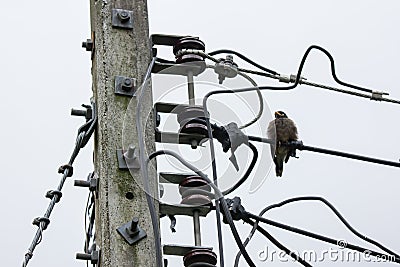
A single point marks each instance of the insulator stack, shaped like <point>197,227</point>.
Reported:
<point>195,191</point>
<point>188,43</point>
<point>199,255</point>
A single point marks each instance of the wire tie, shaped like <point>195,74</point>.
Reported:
<point>37,221</point>
<point>50,194</point>
<point>66,167</point>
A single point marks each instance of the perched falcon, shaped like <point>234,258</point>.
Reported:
<point>281,130</point>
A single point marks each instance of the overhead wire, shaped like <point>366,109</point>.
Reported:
<point>260,101</point>
<point>296,82</point>
<point>275,242</point>
<point>320,237</point>
<point>243,57</point>
<point>331,207</point>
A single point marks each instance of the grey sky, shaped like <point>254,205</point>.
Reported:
<point>45,72</point>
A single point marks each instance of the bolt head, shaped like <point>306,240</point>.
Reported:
<point>124,16</point>
<point>127,84</point>
<point>88,45</point>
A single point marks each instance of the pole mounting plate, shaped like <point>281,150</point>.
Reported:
<point>125,86</point>
<point>122,18</point>
<point>131,239</point>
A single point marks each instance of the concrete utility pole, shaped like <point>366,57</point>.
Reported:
<point>121,48</point>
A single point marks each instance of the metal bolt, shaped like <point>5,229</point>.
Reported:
<point>134,224</point>
<point>88,45</point>
<point>127,85</point>
<point>78,112</point>
<point>133,230</point>
<point>130,153</point>
<point>83,256</point>
<point>124,16</point>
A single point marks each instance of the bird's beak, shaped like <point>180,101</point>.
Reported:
<point>277,113</point>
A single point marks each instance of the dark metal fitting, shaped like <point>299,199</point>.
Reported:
<point>50,194</point>
<point>236,209</point>
<point>39,220</point>
<point>91,182</point>
<point>133,229</point>
<point>127,84</point>
<point>65,167</point>
<point>93,257</point>
<point>378,96</point>
<point>226,68</point>
<point>88,45</point>
<point>87,112</point>
<point>123,16</point>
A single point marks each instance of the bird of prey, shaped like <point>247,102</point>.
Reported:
<point>281,130</point>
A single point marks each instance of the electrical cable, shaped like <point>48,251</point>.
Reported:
<point>249,169</point>
<point>247,173</point>
<point>260,98</point>
<point>320,237</point>
<point>218,194</point>
<point>228,51</point>
<point>144,170</point>
<point>329,205</point>
<point>296,82</point>
<point>334,210</point>
<point>276,243</point>
<point>260,101</point>
<point>299,145</point>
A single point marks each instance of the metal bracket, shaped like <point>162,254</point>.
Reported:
<point>92,183</point>
<point>181,250</point>
<point>128,159</point>
<point>182,209</point>
<point>125,86</point>
<point>93,257</point>
<point>131,232</point>
<point>122,18</point>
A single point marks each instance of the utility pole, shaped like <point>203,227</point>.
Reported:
<point>121,47</point>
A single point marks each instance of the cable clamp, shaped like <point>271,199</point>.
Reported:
<point>66,167</point>
<point>37,221</point>
<point>378,95</point>
<point>290,78</point>
<point>236,138</point>
<point>236,209</point>
<point>51,193</point>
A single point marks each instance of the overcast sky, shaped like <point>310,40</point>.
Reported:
<point>45,73</point>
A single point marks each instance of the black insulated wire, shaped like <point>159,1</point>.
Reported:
<point>243,57</point>
<point>278,244</point>
<point>296,82</point>
<point>247,173</point>
<point>218,194</point>
<point>300,146</point>
<point>321,237</point>
<point>337,213</point>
